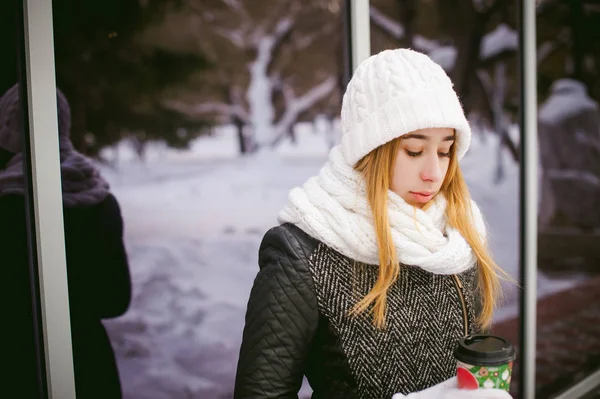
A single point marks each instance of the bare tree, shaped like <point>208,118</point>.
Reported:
<point>269,54</point>
<point>467,21</point>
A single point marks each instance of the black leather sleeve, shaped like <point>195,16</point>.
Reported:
<point>281,318</point>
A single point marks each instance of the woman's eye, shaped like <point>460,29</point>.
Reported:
<point>413,154</point>
<point>444,154</point>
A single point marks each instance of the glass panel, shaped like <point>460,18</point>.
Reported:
<point>568,332</point>
<point>189,123</point>
<point>476,44</point>
<point>23,351</point>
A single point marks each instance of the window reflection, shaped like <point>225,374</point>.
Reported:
<point>23,352</point>
<point>200,116</point>
<point>568,348</point>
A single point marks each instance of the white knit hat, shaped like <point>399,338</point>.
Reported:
<point>396,92</point>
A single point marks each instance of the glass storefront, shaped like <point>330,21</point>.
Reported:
<point>179,129</point>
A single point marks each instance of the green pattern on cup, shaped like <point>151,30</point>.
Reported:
<point>491,376</point>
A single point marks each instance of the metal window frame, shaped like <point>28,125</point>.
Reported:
<point>40,357</point>
<point>582,388</point>
<point>47,197</point>
<point>528,192</point>
<point>360,32</point>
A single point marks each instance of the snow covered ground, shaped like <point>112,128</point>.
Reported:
<point>194,220</point>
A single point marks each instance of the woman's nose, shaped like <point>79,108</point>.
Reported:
<point>432,170</point>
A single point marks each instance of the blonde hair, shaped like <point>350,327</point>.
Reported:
<point>377,170</point>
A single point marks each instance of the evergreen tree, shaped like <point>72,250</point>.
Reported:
<point>115,80</point>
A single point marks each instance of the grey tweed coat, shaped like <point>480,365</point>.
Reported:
<point>297,325</point>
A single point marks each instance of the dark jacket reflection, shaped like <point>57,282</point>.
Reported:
<point>97,266</point>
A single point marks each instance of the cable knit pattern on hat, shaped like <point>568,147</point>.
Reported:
<point>396,92</point>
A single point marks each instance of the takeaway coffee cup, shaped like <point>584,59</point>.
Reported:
<point>484,361</point>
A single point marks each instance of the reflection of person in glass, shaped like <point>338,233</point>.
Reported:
<point>97,267</point>
<point>379,265</point>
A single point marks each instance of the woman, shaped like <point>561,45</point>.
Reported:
<point>380,264</point>
<point>97,267</point>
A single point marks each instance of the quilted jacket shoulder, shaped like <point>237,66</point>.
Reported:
<point>273,356</point>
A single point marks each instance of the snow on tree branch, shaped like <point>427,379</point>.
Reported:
<point>396,30</point>
<point>236,5</point>
<point>547,48</point>
<point>283,27</point>
<point>258,35</point>
<point>502,38</point>
<point>260,89</point>
<point>486,82</point>
<point>208,108</point>
<point>392,27</point>
<point>236,37</point>
<point>296,105</point>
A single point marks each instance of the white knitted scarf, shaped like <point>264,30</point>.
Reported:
<point>333,208</point>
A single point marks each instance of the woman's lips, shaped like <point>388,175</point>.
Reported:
<point>421,196</point>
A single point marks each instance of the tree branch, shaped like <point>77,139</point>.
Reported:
<point>485,80</point>
<point>295,106</point>
<point>493,8</point>
<point>276,80</point>
<point>393,28</point>
<point>549,47</point>
<point>236,6</point>
<point>500,40</point>
<point>282,28</point>
<point>397,31</point>
<point>306,41</point>
<point>281,31</point>
<point>209,108</point>
<point>238,37</point>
